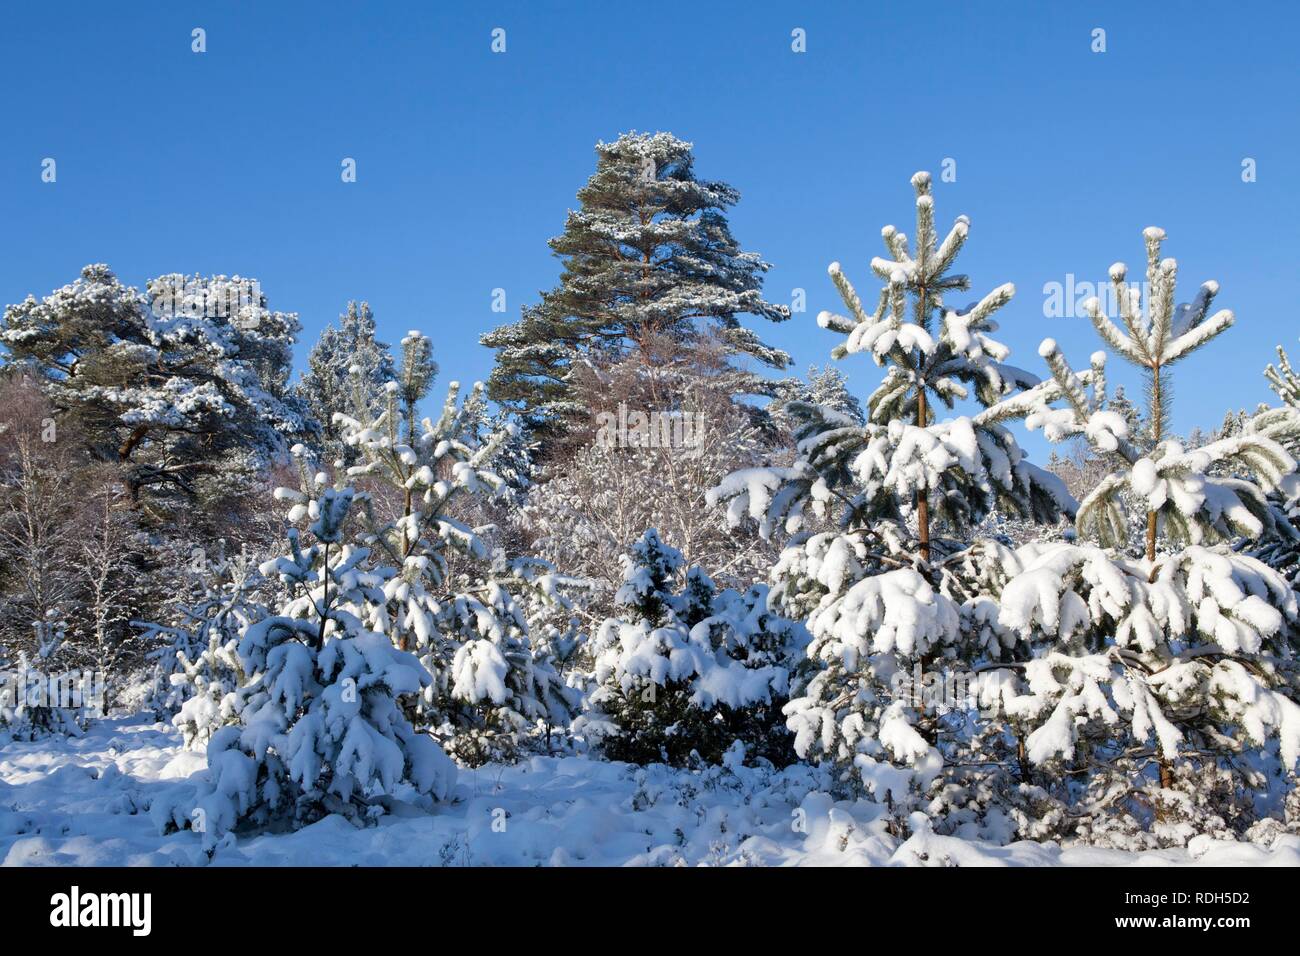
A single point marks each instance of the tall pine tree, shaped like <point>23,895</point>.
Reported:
<point>1159,685</point>
<point>452,598</point>
<point>347,366</point>
<point>316,727</point>
<point>1281,551</point>
<point>885,596</point>
<point>649,254</point>
<point>186,389</point>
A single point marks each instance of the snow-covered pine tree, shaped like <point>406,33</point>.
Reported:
<point>319,726</point>
<point>824,388</point>
<point>348,366</point>
<point>452,600</point>
<point>201,664</point>
<point>1084,468</point>
<point>501,691</point>
<point>1281,551</point>
<point>29,709</point>
<point>186,388</point>
<point>513,462</point>
<point>1283,380</point>
<point>686,670</point>
<point>883,595</point>
<point>649,253</point>
<point>1153,690</point>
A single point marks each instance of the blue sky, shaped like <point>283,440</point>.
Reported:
<point>229,161</point>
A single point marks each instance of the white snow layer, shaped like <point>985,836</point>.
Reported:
<point>84,801</point>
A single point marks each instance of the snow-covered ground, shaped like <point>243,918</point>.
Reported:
<point>85,801</point>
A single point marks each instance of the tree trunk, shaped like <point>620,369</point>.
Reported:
<point>325,600</point>
<point>922,501</point>
<point>128,446</point>
<point>1157,419</point>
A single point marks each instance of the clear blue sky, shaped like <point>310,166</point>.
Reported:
<point>229,161</point>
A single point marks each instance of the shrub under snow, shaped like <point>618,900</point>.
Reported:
<point>687,670</point>
<point>319,726</point>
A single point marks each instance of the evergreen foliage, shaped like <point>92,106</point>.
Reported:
<point>186,388</point>
<point>347,370</point>
<point>450,600</point>
<point>318,726</point>
<point>686,670</point>
<point>648,254</point>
